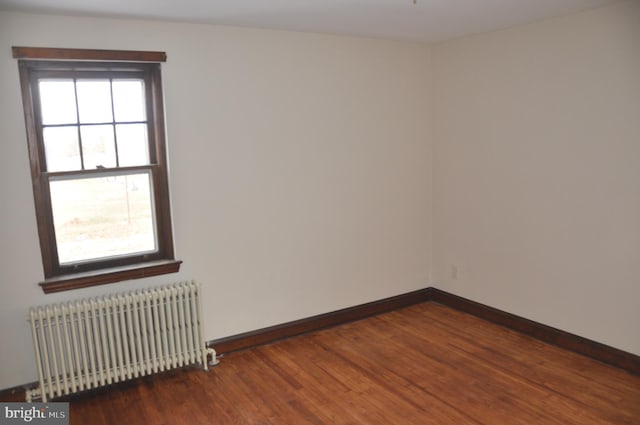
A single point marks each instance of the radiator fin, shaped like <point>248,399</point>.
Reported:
<point>86,344</point>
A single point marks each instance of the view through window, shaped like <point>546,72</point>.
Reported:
<point>97,124</point>
<point>96,142</point>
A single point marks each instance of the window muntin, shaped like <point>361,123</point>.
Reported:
<point>100,122</point>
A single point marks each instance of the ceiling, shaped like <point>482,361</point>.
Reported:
<point>427,21</point>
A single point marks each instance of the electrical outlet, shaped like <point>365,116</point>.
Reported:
<point>454,272</point>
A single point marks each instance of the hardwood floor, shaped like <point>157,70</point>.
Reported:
<point>426,364</point>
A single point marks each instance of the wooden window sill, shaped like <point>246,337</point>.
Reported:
<point>111,275</point>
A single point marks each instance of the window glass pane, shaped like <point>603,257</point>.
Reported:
<point>106,216</point>
<point>94,101</point>
<point>61,148</point>
<point>128,100</point>
<point>98,146</point>
<point>133,148</point>
<point>57,102</point>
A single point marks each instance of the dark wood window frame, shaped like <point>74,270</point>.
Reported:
<point>34,62</point>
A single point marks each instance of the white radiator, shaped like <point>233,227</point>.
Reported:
<point>91,343</point>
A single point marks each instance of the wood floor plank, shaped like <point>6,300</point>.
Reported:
<point>531,365</point>
<point>471,392</point>
<point>425,364</point>
<point>540,374</point>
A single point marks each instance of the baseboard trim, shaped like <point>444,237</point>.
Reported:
<point>16,394</point>
<point>321,321</point>
<point>568,341</point>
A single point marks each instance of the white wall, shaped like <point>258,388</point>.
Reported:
<point>299,171</point>
<point>537,171</point>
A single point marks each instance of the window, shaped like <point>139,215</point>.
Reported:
<point>95,131</point>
